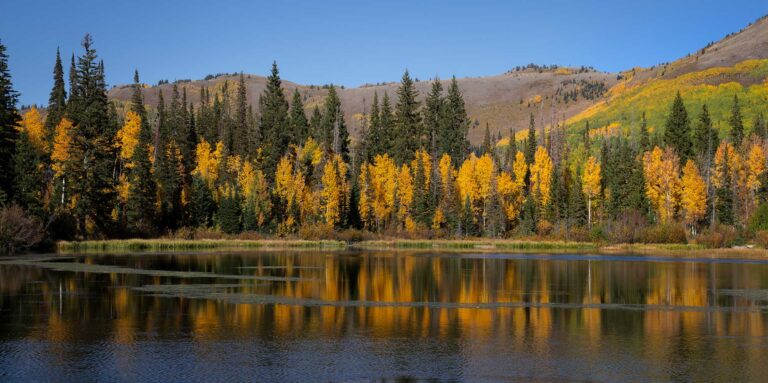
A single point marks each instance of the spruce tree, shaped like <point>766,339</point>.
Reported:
<point>374,134</point>
<point>315,123</point>
<point>645,140</point>
<point>408,125</point>
<point>228,214</point>
<point>433,120</point>
<point>530,149</point>
<point>201,204</point>
<point>240,124</point>
<point>29,176</point>
<point>577,205</point>
<point>9,120</point>
<point>92,152</point>
<point>705,138</point>
<point>677,132</point>
<point>487,143</point>
<point>586,138</point>
<point>274,125</point>
<point>736,122</point>
<point>335,134</point>
<point>453,138</point>
<point>57,102</point>
<point>724,196</point>
<point>759,127</point>
<point>141,196</point>
<point>299,123</point>
<point>387,121</point>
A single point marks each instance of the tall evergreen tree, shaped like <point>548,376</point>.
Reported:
<point>759,126</point>
<point>487,144</point>
<point>315,123</point>
<point>57,102</point>
<point>374,134</point>
<point>453,137</point>
<point>92,151</point>
<point>9,119</point>
<point>141,196</point>
<point>240,126</point>
<point>530,150</point>
<point>408,127</point>
<point>387,128</point>
<point>736,122</point>
<point>677,132</point>
<point>724,195</point>
<point>645,139</point>
<point>705,138</point>
<point>299,123</point>
<point>274,125</point>
<point>586,138</point>
<point>335,135</point>
<point>433,119</point>
<point>29,177</point>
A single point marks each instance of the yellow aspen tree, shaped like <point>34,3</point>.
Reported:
<point>128,137</point>
<point>335,189</point>
<point>541,176</point>
<point>404,195</point>
<point>208,162</point>
<point>254,190</point>
<point>662,181</point>
<point>364,203</point>
<point>511,193</point>
<point>62,142</point>
<point>32,123</point>
<point>590,184</point>
<point>383,176</point>
<point>693,196</point>
<point>519,168</point>
<point>423,159</point>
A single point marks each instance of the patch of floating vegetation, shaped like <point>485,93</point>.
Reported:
<point>108,269</point>
<point>202,292</point>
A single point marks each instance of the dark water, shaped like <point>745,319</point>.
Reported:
<point>309,316</point>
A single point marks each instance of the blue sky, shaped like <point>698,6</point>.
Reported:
<point>354,42</point>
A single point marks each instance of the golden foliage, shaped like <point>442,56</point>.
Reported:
<point>662,182</point>
<point>404,193</point>
<point>475,177</point>
<point>590,178</point>
<point>755,166</point>
<point>128,136</point>
<point>61,146</point>
<point>726,158</point>
<point>207,162</point>
<point>32,123</point>
<point>693,196</point>
<point>335,189</point>
<point>511,193</point>
<point>541,176</point>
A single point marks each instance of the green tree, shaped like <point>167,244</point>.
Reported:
<point>645,139</point>
<point>335,135</point>
<point>140,209</point>
<point>530,149</point>
<point>705,138</point>
<point>455,128</point>
<point>228,215</point>
<point>387,126</point>
<point>29,177</point>
<point>487,143</point>
<point>57,102</point>
<point>736,122</point>
<point>434,109</point>
<point>201,204</point>
<point>677,132</point>
<point>240,129</point>
<point>299,123</point>
<point>9,119</point>
<point>408,127</point>
<point>760,126</point>
<point>374,135</point>
<point>274,124</point>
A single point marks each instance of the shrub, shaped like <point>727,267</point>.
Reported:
<point>759,220</point>
<point>665,233</point>
<point>544,228</point>
<point>761,237</point>
<point>17,231</point>
<point>628,227</point>
<point>718,236</point>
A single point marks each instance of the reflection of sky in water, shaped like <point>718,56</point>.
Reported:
<point>360,316</point>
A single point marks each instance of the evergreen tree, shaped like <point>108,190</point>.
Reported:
<point>9,119</point>
<point>705,138</point>
<point>299,123</point>
<point>487,143</point>
<point>724,195</point>
<point>760,126</point>
<point>29,177</point>
<point>240,129</point>
<point>408,127</point>
<point>141,196</point>
<point>577,205</point>
<point>201,204</point>
<point>315,123</point>
<point>228,215</point>
<point>736,122</point>
<point>274,125</point>
<point>72,78</point>
<point>530,149</point>
<point>645,140</point>
<point>623,176</point>
<point>374,134</point>
<point>57,102</point>
<point>529,219</point>
<point>335,135</point>
<point>433,119</point>
<point>453,138</point>
<point>586,138</point>
<point>387,121</point>
<point>92,151</point>
<point>677,132</point>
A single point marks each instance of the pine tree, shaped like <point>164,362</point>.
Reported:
<point>141,197</point>
<point>736,122</point>
<point>201,204</point>
<point>645,140</point>
<point>335,135</point>
<point>29,177</point>
<point>315,123</point>
<point>453,138</point>
<point>9,119</point>
<point>724,195</point>
<point>677,134</point>
<point>487,144</point>
<point>57,102</point>
<point>299,123</point>
<point>387,121</point>
<point>374,134</point>
<point>274,125</point>
<point>93,151</point>
<point>228,214</point>
<point>408,135</point>
<point>530,149</point>
<point>240,129</point>
<point>577,204</point>
<point>586,138</point>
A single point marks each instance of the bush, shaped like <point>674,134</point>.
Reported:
<point>628,227</point>
<point>17,231</point>
<point>761,237</point>
<point>759,220</point>
<point>665,233</point>
<point>718,236</point>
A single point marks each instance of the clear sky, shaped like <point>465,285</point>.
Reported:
<point>354,42</point>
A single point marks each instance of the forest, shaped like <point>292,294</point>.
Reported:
<point>87,167</point>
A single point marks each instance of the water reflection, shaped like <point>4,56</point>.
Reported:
<point>390,314</point>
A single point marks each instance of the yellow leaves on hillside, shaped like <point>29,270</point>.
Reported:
<point>590,183</point>
<point>62,141</point>
<point>693,196</point>
<point>128,136</point>
<point>662,183</point>
<point>541,176</point>
<point>335,191</point>
<point>33,125</point>
<point>208,161</point>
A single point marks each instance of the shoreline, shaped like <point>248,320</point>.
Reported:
<point>457,246</point>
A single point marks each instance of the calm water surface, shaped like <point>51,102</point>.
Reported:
<point>318,316</point>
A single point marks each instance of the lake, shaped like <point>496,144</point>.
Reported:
<point>381,316</point>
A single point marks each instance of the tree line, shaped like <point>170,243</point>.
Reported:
<point>90,167</point>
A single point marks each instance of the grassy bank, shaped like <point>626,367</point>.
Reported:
<point>498,245</point>
<point>181,244</point>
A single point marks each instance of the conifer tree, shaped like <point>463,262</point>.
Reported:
<point>299,123</point>
<point>29,176</point>
<point>586,138</point>
<point>530,149</point>
<point>760,126</point>
<point>408,135</point>
<point>677,134</point>
<point>434,119</point>
<point>453,138</point>
<point>201,204</point>
<point>57,102</point>
<point>240,127</point>
<point>374,134</point>
<point>274,125</point>
<point>335,135</point>
<point>736,122</point>
<point>315,123</point>
<point>724,194</point>
<point>142,192</point>
<point>705,138</point>
<point>9,119</point>
<point>387,126</point>
<point>645,140</point>
<point>487,144</point>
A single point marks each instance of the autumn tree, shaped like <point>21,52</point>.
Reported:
<point>662,181</point>
<point>408,135</point>
<point>677,133</point>
<point>9,120</point>
<point>274,124</point>
<point>590,183</point>
<point>541,177</point>
<point>736,122</point>
<point>693,196</point>
<point>335,193</point>
<point>30,163</point>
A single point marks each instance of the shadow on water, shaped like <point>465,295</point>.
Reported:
<point>381,316</point>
